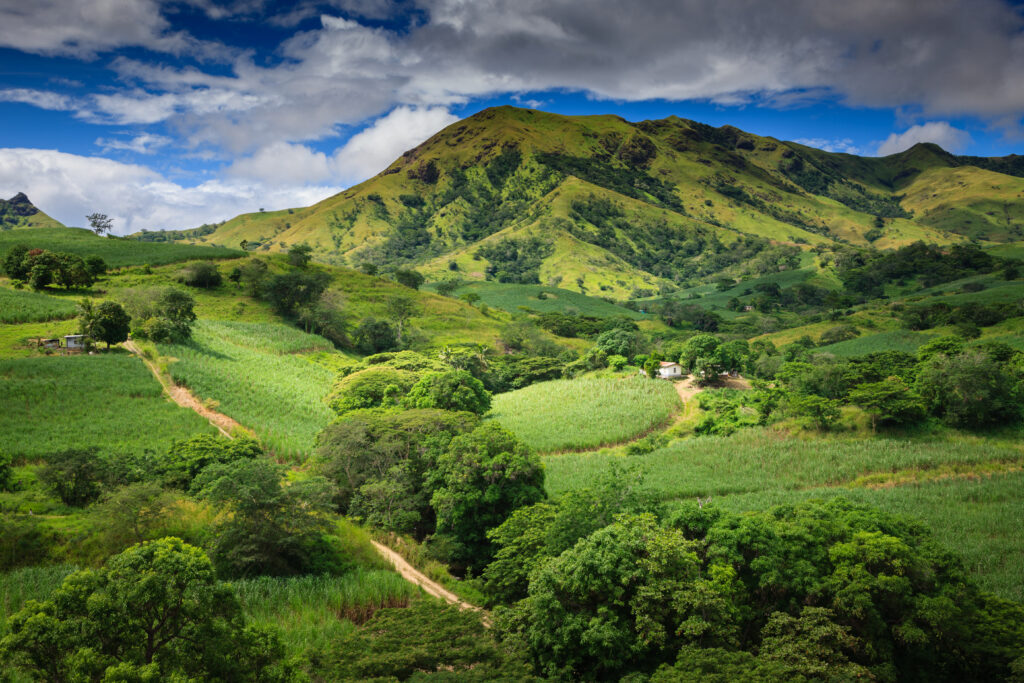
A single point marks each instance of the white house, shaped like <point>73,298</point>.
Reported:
<point>667,370</point>
<point>74,341</point>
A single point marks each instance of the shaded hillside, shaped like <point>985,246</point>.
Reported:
<point>600,205</point>
<point>20,212</point>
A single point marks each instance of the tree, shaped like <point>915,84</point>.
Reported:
<point>289,292</point>
<point>822,412</point>
<point>188,457</point>
<point>374,336</point>
<point>107,322</point>
<point>618,342</point>
<point>698,346</point>
<point>453,390</point>
<point>6,472</point>
<point>177,309</point>
<point>400,309</point>
<point>970,389</point>
<point>373,458</point>
<point>100,223</point>
<point>371,388</point>
<point>270,529</point>
<point>15,262</point>
<point>888,402</point>
<point>96,266</point>
<point>132,514</point>
<point>75,475</point>
<point>299,255</point>
<point>204,274</point>
<point>447,286</point>
<point>482,478</point>
<point>408,277</point>
<point>154,612</point>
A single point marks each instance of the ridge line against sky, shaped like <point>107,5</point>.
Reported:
<point>170,114</point>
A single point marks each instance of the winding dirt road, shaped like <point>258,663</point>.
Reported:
<point>227,426</point>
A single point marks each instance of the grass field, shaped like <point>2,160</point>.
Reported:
<point>31,583</point>
<point>756,460</point>
<point>19,306</point>
<point>116,252</point>
<point>511,297</point>
<point>893,340</point>
<point>313,611</point>
<point>585,413</point>
<point>110,400</point>
<point>249,370</point>
<point>978,518</point>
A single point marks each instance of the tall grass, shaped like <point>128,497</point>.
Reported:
<point>30,583</point>
<point>513,297</point>
<point>893,340</point>
<point>247,369</point>
<point>756,460</point>
<point>32,307</point>
<point>109,400</point>
<point>313,611</point>
<point>978,518</point>
<point>587,412</point>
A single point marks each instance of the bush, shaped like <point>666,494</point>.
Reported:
<point>6,472</point>
<point>371,388</point>
<point>455,390</point>
<point>201,274</point>
<point>187,458</point>
<point>75,475</point>
<point>617,362</point>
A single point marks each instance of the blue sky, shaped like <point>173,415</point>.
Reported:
<point>170,114</point>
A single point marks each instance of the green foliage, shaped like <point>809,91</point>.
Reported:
<point>631,182</point>
<point>374,336</point>
<point>378,462</point>
<point>426,641</point>
<point>478,482</point>
<point>44,268</point>
<point>814,589</point>
<point>187,458</point>
<point>971,389</point>
<point>272,529</point>
<point>889,402</point>
<point>407,277</point>
<point>26,307</point>
<point>619,341</point>
<point>107,322</point>
<point>154,611</point>
<point>6,472</point>
<point>821,412</point>
<point>617,362</point>
<point>163,315</point>
<point>204,274</point>
<point>299,255</point>
<point>585,412</point>
<point>288,292</point>
<point>75,475</point>
<point>132,514</point>
<point>455,390</point>
<point>376,386</point>
<point>515,260</point>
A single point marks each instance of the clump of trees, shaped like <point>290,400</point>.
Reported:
<point>161,314</point>
<point>42,268</point>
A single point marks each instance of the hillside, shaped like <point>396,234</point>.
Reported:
<point>20,212</point>
<point>599,205</point>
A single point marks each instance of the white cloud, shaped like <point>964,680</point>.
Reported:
<point>69,186</point>
<point>372,150</point>
<point>940,132</point>
<point>43,99</point>
<point>281,162</point>
<point>844,145</point>
<point>146,143</point>
<point>83,28</point>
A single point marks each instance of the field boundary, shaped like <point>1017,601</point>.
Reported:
<point>184,398</point>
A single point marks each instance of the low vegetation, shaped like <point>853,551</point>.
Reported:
<point>585,412</point>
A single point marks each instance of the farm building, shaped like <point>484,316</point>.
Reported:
<point>74,342</point>
<point>668,370</point>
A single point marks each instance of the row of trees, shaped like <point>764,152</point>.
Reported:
<point>42,268</point>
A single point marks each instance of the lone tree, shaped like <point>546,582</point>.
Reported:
<point>100,223</point>
<point>107,322</point>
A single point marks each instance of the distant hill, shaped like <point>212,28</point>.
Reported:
<point>20,212</point>
<point>599,205</point>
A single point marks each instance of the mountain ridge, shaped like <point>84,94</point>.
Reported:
<point>20,212</point>
<point>624,206</point>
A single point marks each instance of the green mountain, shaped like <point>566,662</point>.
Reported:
<point>600,205</point>
<point>19,212</point>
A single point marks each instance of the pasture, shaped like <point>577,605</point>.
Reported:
<point>110,401</point>
<point>116,251</point>
<point>513,297</point>
<point>20,306</point>
<point>587,412</point>
<point>256,376</point>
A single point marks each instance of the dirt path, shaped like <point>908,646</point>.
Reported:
<point>184,398</point>
<point>414,576</point>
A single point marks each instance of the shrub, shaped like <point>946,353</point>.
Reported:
<point>201,274</point>
<point>373,387</point>
<point>75,475</point>
<point>455,390</point>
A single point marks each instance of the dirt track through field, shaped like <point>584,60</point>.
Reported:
<point>227,426</point>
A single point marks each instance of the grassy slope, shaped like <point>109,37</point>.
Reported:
<point>111,401</point>
<point>513,298</point>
